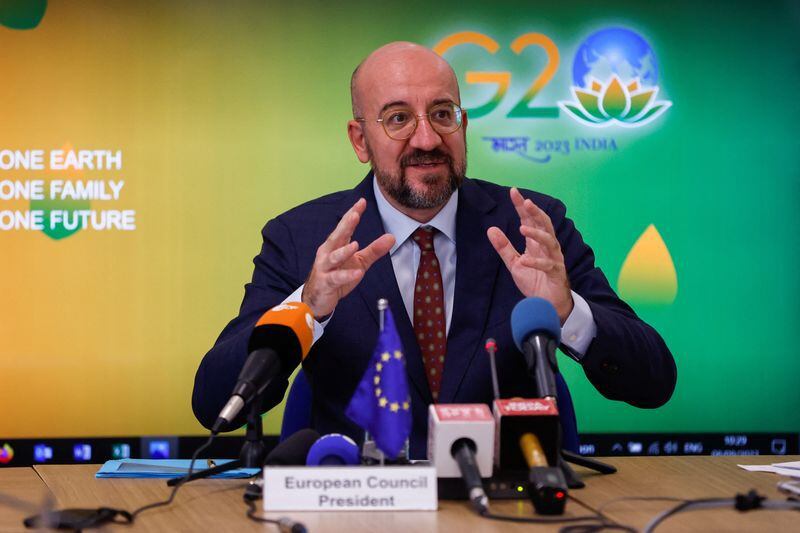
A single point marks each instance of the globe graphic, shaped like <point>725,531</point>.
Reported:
<point>612,51</point>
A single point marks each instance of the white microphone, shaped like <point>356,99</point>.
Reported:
<point>461,444</point>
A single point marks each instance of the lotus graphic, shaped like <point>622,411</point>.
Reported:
<point>615,103</point>
<point>615,76</point>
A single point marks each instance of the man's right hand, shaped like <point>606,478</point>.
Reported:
<point>339,265</point>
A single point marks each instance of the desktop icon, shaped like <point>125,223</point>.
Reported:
<point>6,454</point>
<point>82,452</point>
<point>42,453</point>
<point>158,449</point>
<point>693,448</point>
<point>120,450</point>
<point>587,449</point>
<point>634,447</point>
<point>778,446</point>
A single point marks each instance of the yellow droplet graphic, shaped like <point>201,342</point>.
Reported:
<point>648,273</point>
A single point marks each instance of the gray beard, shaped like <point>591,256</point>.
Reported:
<point>397,187</point>
<point>438,193</point>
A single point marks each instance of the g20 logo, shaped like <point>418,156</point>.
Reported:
<point>614,76</point>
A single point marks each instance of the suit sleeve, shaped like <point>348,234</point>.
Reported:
<point>627,360</point>
<point>274,277</point>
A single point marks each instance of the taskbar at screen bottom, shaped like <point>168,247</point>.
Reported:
<point>78,450</point>
<point>86,450</point>
<point>633,444</point>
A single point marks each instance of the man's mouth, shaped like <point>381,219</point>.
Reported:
<point>426,163</point>
<point>425,160</point>
<point>430,164</point>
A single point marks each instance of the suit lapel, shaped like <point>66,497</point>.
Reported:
<point>476,271</point>
<point>380,282</point>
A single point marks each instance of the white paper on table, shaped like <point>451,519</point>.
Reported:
<point>782,471</point>
<point>790,464</point>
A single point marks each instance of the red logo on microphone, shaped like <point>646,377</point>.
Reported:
<point>463,412</point>
<point>527,407</point>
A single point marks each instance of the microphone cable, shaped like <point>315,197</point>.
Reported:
<point>285,524</point>
<point>251,495</point>
<point>178,485</point>
<point>578,524</point>
<point>742,502</point>
<point>80,519</point>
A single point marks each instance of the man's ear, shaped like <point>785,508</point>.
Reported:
<point>355,131</point>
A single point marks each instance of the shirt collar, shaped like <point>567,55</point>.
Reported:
<point>402,226</point>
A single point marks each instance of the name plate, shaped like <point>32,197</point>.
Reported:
<point>350,488</point>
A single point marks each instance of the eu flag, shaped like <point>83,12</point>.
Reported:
<point>381,404</point>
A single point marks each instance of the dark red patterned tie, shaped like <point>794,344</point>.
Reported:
<point>429,317</point>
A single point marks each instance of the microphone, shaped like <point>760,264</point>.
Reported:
<point>461,444</point>
<point>463,451</point>
<point>491,349</point>
<point>532,450</point>
<point>280,340</point>
<point>516,417</point>
<point>537,332</point>
<point>292,451</point>
<point>536,329</point>
<point>333,449</point>
<point>547,488</point>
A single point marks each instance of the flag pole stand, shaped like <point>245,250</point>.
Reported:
<point>369,452</point>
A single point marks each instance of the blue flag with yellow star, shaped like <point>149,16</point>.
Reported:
<point>381,403</point>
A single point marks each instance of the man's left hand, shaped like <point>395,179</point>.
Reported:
<point>539,270</point>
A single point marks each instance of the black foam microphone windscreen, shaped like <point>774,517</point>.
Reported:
<point>294,450</point>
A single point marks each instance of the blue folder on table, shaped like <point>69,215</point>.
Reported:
<point>167,468</point>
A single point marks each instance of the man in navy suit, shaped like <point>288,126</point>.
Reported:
<point>452,255</point>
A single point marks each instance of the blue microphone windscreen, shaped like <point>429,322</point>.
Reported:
<point>534,315</point>
<point>333,449</point>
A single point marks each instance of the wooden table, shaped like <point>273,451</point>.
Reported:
<point>688,477</point>
<point>22,493</point>
<point>216,505</point>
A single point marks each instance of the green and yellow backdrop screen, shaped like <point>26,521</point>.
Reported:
<point>143,145</point>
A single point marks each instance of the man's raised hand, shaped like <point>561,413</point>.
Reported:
<point>539,270</point>
<point>339,265</point>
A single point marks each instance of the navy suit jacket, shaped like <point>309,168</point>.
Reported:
<point>627,360</point>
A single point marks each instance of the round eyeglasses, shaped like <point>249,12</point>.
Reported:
<point>400,123</point>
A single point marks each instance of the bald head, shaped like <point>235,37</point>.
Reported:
<point>393,61</point>
<point>408,86</point>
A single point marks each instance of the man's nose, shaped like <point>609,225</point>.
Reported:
<point>425,137</point>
